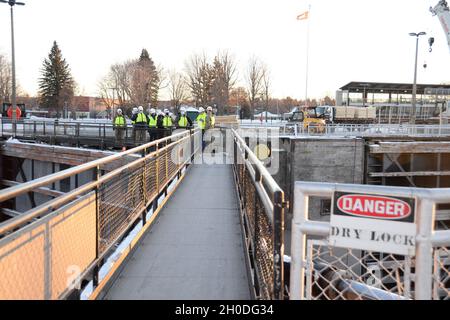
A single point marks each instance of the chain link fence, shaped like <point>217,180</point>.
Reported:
<point>441,276</point>
<point>262,217</point>
<point>334,274</point>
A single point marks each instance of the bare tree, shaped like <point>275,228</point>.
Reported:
<point>178,89</point>
<point>254,81</point>
<point>225,76</point>
<point>200,78</point>
<point>5,79</point>
<point>265,86</point>
<point>115,88</point>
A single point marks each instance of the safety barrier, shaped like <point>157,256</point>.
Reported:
<point>322,270</point>
<point>54,131</point>
<point>367,130</point>
<point>49,251</point>
<point>262,206</point>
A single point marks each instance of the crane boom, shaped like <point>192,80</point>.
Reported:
<point>441,10</point>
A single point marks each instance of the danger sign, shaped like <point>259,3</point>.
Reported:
<point>373,222</point>
<point>375,207</point>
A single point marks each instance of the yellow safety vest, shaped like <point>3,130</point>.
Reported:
<point>167,122</point>
<point>213,121</point>
<point>141,118</point>
<point>201,120</point>
<point>183,122</point>
<point>119,121</point>
<point>153,122</point>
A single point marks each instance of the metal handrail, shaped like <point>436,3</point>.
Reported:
<point>272,215</point>
<point>63,199</point>
<point>15,191</point>
<point>262,170</point>
<point>104,233</point>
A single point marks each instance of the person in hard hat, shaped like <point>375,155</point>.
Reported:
<point>183,120</point>
<point>134,113</point>
<point>153,125</point>
<point>201,119</point>
<point>210,118</point>
<point>141,125</point>
<point>201,123</point>
<point>119,125</point>
<point>210,124</point>
<point>167,123</point>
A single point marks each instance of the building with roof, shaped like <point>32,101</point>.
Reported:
<point>381,93</point>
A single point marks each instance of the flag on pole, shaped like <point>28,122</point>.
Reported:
<point>303,16</point>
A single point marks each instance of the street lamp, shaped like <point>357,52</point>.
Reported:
<point>12,3</point>
<point>414,93</point>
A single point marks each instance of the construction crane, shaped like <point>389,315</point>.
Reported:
<point>441,10</point>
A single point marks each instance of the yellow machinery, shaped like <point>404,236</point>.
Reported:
<point>314,120</point>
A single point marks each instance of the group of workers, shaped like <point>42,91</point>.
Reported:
<point>159,124</point>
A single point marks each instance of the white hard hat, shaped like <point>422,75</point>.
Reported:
<point>152,111</point>
<point>166,110</point>
<point>182,109</point>
<point>160,112</point>
<point>141,109</point>
<point>119,111</point>
<point>209,108</point>
<point>201,110</point>
<point>135,110</point>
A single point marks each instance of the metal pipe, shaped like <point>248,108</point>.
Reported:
<point>298,246</point>
<point>365,291</point>
<point>315,228</point>
<point>441,238</point>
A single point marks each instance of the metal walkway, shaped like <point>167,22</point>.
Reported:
<point>195,250</point>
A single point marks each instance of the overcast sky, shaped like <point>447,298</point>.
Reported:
<point>351,40</point>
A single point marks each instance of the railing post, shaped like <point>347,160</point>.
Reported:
<point>77,133</point>
<point>424,251</point>
<point>298,246</point>
<point>247,142</point>
<point>278,245</point>
<point>95,278</point>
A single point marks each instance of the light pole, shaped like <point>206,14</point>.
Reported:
<point>12,3</point>
<point>414,93</point>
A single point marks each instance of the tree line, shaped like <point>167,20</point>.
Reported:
<point>202,82</point>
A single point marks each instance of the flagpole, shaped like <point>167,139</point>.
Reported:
<point>307,58</point>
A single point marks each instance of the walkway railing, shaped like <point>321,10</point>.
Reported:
<point>320,270</point>
<point>359,130</point>
<point>54,131</point>
<point>262,206</point>
<point>49,251</point>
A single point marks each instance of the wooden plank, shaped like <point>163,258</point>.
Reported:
<point>410,174</point>
<point>411,147</point>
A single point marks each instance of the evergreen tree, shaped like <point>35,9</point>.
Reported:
<point>56,85</point>
<point>146,80</point>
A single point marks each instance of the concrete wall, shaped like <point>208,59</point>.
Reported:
<point>318,159</point>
